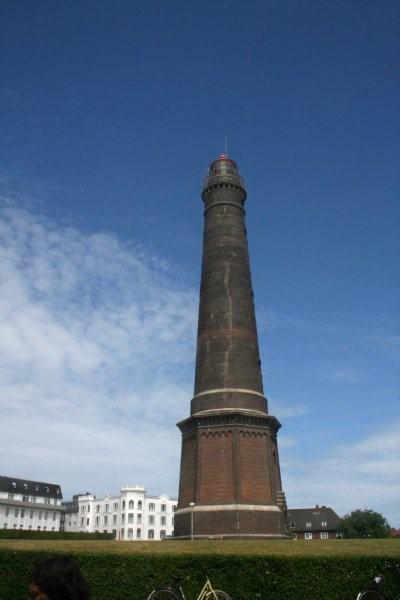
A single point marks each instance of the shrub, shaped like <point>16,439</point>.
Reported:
<point>133,576</point>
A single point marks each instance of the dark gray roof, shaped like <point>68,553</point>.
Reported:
<point>298,517</point>
<point>29,488</point>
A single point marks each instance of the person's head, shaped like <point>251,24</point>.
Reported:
<point>58,578</point>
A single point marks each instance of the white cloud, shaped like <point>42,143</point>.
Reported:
<point>345,374</point>
<point>361,475</point>
<point>286,441</point>
<point>389,343</point>
<point>283,410</point>
<point>96,358</point>
<point>275,319</point>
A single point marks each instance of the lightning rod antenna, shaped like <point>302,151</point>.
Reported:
<point>226,147</point>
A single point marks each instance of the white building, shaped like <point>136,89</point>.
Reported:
<point>28,504</point>
<point>133,515</point>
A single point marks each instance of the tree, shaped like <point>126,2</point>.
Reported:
<point>364,524</point>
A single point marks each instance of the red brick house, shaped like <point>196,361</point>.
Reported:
<point>318,523</point>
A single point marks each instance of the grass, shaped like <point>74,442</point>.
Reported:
<point>381,547</point>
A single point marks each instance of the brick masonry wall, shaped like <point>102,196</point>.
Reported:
<point>226,523</point>
<point>229,464</point>
<point>216,467</point>
<point>187,482</point>
<point>227,344</point>
<point>255,483</point>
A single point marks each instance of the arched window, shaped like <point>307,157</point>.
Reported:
<point>151,534</point>
<point>122,534</point>
<point>131,504</point>
<point>139,505</point>
<point>138,533</point>
<point>162,534</point>
<point>130,534</point>
<point>123,503</point>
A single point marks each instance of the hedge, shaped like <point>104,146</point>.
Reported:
<point>133,576</point>
<point>28,534</point>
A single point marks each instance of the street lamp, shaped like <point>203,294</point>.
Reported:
<point>191,520</point>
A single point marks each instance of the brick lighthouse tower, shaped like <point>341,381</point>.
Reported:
<point>230,481</point>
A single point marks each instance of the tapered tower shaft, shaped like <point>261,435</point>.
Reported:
<point>230,483</point>
<point>228,367</point>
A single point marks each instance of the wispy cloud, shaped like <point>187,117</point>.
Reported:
<point>361,475</point>
<point>286,441</point>
<point>24,122</point>
<point>378,331</point>
<point>345,374</point>
<point>97,343</point>
<point>387,342</point>
<point>274,319</point>
<point>283,410</point>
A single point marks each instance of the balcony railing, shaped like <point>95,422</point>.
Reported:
<point>217,178</point>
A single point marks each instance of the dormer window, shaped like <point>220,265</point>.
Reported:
<point>14,484</point>
<point>25,486</point>
<point>308,524</point>
<point>324,523</point>
<point>47,489</point>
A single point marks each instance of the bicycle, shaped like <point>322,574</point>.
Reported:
<point>169,593</point>
<point>374,590</point>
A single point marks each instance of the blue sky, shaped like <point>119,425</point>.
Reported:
<point>110,114</point>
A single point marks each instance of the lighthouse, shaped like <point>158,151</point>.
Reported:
<point>230,482</point>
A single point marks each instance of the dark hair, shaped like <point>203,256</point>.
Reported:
<point>61,579</point>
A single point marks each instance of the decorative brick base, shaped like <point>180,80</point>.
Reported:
<point>230,482</point>
<point>235,521</point>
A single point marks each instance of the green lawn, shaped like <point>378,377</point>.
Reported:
<point>382,547</point>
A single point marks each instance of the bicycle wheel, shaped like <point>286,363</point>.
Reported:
<point>371,595</point>
<point>218,595</point>
<point>164,593</point>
